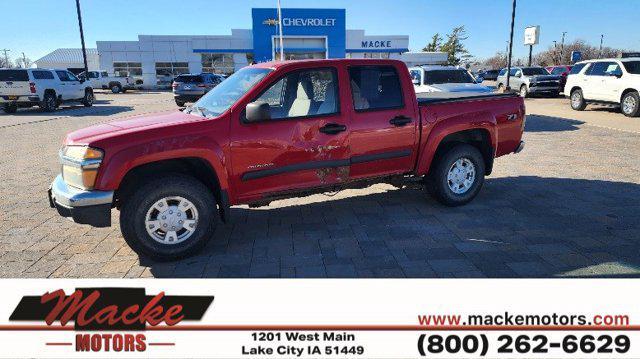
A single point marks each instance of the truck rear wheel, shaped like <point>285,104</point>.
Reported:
<point>169,218</point>
<point>457,177</point>
<point>10,108</point>
<point>88,98</point>
<point>49,102</point>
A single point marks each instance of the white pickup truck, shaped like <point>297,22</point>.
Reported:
<point>102,80</point>
<point>41,87</point>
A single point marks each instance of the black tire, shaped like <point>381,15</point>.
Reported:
<point>577,100</point>
<point>88,98</point>
<point>524,91</point>
<point>630,110</point>
<point>135,208</point>
<point>116,88</point>
<point>180,103</point>
<point>437,183</point>
<point>49,102</point>
<point>10,108</point>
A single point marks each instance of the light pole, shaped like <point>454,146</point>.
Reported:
<point>280,28</point>
<point>513,19</point>
<point>555,52</point>
<point>84,49</point>
<point>562,47</point>
<point>601,41</point>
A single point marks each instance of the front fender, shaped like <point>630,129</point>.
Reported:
<point>445,127</point>
<point>116,165</point>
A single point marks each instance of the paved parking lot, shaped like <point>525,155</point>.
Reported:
<point>566,206</point>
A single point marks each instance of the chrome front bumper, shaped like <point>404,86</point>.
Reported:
<point>85,207</point>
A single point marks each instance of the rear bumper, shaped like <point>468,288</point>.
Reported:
<point>84,207</point>
<point>21,100</point>
<point>519,148</point>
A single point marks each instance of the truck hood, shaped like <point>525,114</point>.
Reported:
<point>460,88</point>
<point>131,124</point>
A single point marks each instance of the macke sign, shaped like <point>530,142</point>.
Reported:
<point>377,44</point>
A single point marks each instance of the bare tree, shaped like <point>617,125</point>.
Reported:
<point>4,63</point>
<point>497,61</point>
<point>552,56</point>
<point>23,62</point>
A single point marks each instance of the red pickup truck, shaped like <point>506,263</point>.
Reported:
<point>278,130</point>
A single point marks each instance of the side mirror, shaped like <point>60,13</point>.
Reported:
<point>258,111</point>
<point>519,74</point>
<point>617,74</point>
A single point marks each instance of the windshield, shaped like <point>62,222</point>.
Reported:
<point>532,71</point>
<point>632,67</point>
<point>447,76</point>
<point>221,97</point>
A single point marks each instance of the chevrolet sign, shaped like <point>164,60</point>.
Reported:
<point>315,22</point>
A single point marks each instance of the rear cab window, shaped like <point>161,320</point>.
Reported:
<point>375,88</point>
<point>14,75</point>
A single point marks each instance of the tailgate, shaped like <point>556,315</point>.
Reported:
<point>14,83</point>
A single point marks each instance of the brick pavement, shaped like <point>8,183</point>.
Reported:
<point>566,206</point>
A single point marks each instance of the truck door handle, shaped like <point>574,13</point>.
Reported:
<point>333,128</point>
<point>399,121</point>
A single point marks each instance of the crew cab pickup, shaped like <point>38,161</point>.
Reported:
<point>277,130</point>
<point>102,80</point>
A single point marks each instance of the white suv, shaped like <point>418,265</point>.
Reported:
<point>605,81</point>
<point>41,87</point>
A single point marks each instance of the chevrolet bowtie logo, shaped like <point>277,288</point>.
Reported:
<point>270,22</point>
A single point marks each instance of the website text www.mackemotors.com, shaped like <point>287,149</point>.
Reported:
<point>506,318</point>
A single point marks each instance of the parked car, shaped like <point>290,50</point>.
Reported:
<point>530,81</point>
<point>562,71</point>
<point>102,80</point>
<point>190,87</point>
<point>41,87</point>
<point>605,81</point>
<point>445,79</point>
<point>489,75</point>
<point>279,130</point>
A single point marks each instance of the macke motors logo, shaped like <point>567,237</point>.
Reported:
<point>125,310</point>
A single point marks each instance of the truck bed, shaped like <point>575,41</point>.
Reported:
<point>440,97</point>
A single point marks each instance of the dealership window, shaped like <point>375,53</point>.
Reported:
<point>171,68</point>
<point>127,68</point>
<point>218,63</point>
<point>376,55</point>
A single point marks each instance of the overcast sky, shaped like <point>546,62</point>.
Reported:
<point>38,27</point>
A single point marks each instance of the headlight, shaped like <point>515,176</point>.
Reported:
<point>80,165</point>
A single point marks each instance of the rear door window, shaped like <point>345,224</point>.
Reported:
<point>14,75</point>
<point>375,88</point>
<point>600,68</point>
<point>42,75</point>
<point>63,76</point>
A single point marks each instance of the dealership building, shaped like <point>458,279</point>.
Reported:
<point>307,34</point>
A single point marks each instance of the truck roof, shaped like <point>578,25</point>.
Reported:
<point>279,64</point>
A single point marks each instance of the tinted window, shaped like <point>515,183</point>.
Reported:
<point>375,87</point>
<point>71,76</point>
<point>303,93</point>
<point>503,72</point>
<point>577,68</point>
<point>62,75</point>
<point>42,75</point>
<point>189,79</point>
<point>558,71</point>
<point>14,75</point>
<point>447,76</point>
<point>93,75</point>
<point>533,71</point>
<point>104,74</point>
<point>600,68</point>
<point>632,67</point>
<point>514,72</point>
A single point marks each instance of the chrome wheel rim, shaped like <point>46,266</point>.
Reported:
<point>89,98</point>
<point>51,102</point>
<point>629,104</point>
<point>576,99</point>
<point>171,220</point>
<point>461,176</point>
<point>523,91</point>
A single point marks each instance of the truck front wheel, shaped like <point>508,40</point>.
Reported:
<point>457,176</point>
<point>169,218</point>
